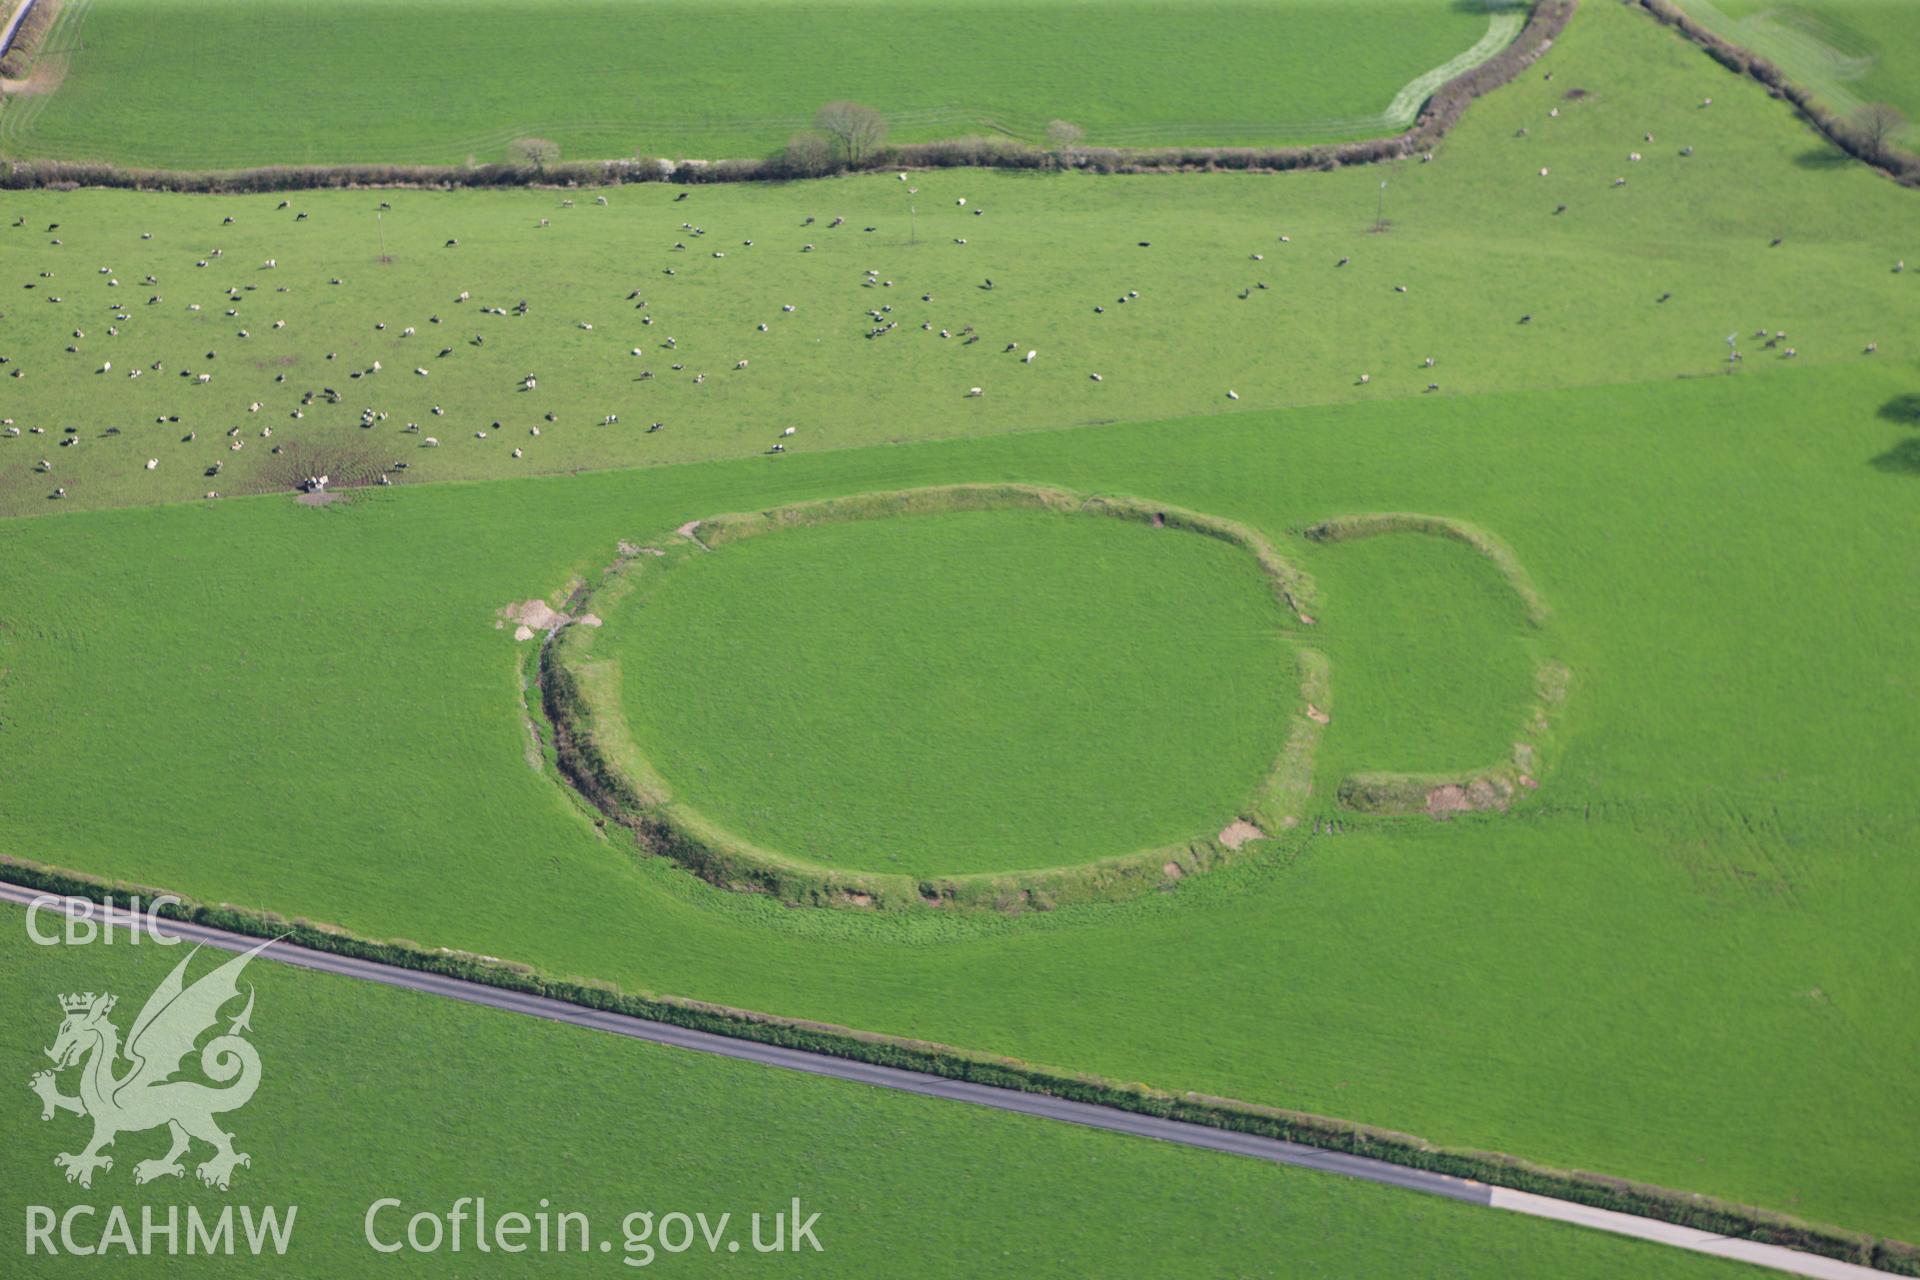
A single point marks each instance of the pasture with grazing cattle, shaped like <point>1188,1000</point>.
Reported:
<point>891,328</point>
<point>1428,644</point>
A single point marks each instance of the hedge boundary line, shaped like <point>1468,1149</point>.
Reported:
<point>1325,1132</point>
<point>1436,119</point>
<point>1490,786</point>
<point>1441,111</point>
<point>27,26</point>
<point>597,754</point>
<point>1901,166</point>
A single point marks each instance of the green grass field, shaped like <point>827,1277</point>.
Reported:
<point>1713,865</point>
<point>1847,51</point>
<point>1475,241</point>
<point>475,1102</point>
<point>1432,659</point>
<point>983,691</point>
<point>1686,958</point>
<point>227,84</point>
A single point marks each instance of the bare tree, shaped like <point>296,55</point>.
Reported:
<point>1878,122</point>
<point>858,130</point>
<point>1063,138</point>
<point>537,153</point>
<point>808,155</point>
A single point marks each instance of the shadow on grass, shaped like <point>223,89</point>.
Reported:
<point>1823,158</point>
<point>1901,460</point>
<point>1904,410</point>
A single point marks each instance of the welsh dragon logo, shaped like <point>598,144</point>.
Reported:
<point>145,1095</point>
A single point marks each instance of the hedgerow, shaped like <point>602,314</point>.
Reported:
<point>1903,167</point>
<point>797,161</point>
<point>17,62</point>
<point>1438,116</point>
<point>1494,1168</point>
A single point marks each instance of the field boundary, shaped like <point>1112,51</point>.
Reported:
<point>1436,117</point>
<point>1503,27</point>
<point>597,754</point>
<point>37,62</point>
<point>1496,1169</point>
<point>20,12</point>
<point>1901,166</point>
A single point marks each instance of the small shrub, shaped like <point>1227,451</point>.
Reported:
<point>807,155</point>
<point>535,153</point>
<point>1063,139</point>
<point>1877,123</point>
<point>858,130</point>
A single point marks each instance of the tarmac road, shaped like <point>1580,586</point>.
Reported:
<point>1773,1257</point>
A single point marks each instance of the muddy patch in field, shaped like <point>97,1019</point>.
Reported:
<point>533,616</point>
<point>1238,832</point>
<point>295,463</point>
<point>1445,801</point>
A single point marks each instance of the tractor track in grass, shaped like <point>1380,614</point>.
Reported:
<point>1042,1106</point>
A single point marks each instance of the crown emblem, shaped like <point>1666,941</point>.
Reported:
<point>169,1030</point>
